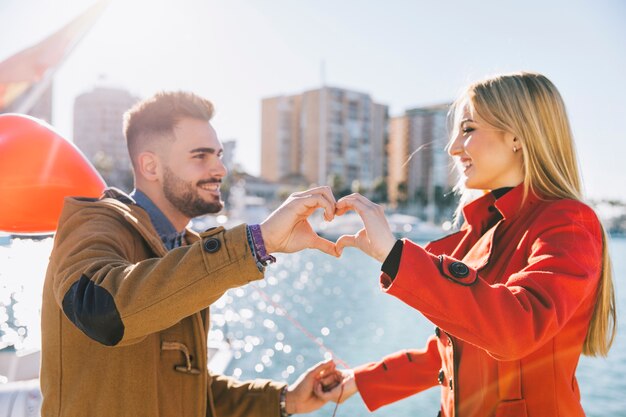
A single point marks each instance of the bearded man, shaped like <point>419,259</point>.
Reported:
<point>125,313</point>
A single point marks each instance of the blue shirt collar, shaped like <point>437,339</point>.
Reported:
<point>170,237</point>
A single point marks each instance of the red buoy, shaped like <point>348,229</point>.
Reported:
<point>38,169</point>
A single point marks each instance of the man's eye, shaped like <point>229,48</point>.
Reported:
<point>199,156</point>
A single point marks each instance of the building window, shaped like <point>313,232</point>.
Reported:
<point>353,110</point>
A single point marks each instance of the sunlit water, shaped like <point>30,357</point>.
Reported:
<point>333,302</point>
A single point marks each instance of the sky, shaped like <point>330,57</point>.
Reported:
<point>405,54</point>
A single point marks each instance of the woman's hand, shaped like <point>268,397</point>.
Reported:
<point>302,395</point>
<point>376,239</point>
<point>336,386</point>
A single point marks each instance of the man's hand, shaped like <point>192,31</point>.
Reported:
<point>301,396</point>
<point>287,228</point>
<point>337,387</point>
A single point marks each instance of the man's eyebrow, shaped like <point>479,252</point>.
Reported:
<point>206,150</point>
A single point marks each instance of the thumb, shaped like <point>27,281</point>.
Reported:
<point>324,366</point>
<point>345,241</point>
<point>325,246</point>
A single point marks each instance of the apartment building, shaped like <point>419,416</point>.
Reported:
<point>323,134</point>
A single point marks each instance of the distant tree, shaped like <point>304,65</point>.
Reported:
<point>421,196</point>
<point>103,164</point>
<point>339,187</point>
<point>128,180</point>
<point>403,194</point>
<point>357,187</point>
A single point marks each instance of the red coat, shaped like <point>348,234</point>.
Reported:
<point>512,304</point>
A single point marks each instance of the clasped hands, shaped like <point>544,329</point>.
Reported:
<point>288,230</point>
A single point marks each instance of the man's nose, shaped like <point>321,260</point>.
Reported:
<point>219,170</point>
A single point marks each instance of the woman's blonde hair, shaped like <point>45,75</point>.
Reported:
<point>530,107</point>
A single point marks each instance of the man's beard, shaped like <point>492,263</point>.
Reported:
<point>184,195</point>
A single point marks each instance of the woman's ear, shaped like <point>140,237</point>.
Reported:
<point>516,144</point>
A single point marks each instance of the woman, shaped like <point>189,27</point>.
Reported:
<point>521,290</point>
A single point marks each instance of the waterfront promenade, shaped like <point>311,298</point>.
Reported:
<point>338,302</point>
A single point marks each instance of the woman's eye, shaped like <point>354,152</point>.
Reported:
<point>467,129</point>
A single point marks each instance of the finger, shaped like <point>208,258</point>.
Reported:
<point>326,193</point>
<point>340,211</point>
<point>347,203</point>
<point>328,378</point>
<point>354,203</point>
<point>325,246</point>
<point>345,241</point>
<point>324,366</point>
<point>318,389</point>
<point>315,201</point>
<point>372,215</point>
<point>324,189</point>
<point>329,382</point>
<point>318,371</point>
<point>331,394</point>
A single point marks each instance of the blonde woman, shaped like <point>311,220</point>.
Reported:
<point>521,290</point>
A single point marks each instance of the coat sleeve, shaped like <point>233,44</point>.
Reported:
<point>256,398</point>
<point>515,316</point>
<point>398,375</point>
<point>116,301</point>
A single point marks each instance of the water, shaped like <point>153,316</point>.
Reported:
<point>336,301</point>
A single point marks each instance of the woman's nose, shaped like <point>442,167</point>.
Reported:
<point>456,146</point>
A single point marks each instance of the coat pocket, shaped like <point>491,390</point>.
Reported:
<point>514,408</point>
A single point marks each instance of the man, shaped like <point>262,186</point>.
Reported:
<point>125,312</point>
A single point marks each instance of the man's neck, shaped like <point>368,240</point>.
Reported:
<point>169,234</point>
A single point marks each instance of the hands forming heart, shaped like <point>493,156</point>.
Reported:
<point>288,230</point>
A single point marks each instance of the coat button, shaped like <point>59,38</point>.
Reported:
<point>441,377</point>
<point>438,332</point>
<point>458,269</point>
<point>212,245</point>
<point>450,384</point>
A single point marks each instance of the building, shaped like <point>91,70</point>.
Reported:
<point>228,157</point>
<point>98,133</point>
<point>328,135</point>
<point>420,170</point>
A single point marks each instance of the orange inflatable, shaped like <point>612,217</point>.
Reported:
<point>38,169</point>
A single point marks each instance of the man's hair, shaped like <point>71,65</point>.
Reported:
<point>156,117</point>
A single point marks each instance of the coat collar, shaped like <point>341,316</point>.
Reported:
<point>485,208</point>
<point>138,218</point>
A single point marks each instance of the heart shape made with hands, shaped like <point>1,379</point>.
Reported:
<point>288,228</point>
<point>358,223</point>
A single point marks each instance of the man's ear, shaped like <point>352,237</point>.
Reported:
<point>148,164</point>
